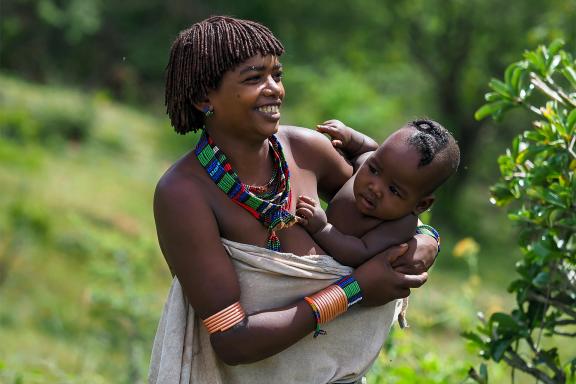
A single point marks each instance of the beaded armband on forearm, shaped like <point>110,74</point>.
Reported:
<point>430,231</point>
<point>333,301</point>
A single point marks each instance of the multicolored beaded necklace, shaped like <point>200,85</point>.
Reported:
<point>270,204</point>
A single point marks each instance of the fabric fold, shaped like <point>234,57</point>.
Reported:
<point>182,352</point>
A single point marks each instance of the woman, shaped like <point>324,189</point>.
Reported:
<point>225,77</point>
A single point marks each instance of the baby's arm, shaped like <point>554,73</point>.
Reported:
<point>346,249</point>
<point>351,142</point>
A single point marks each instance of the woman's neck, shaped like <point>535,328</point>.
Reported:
<point>250,159</point>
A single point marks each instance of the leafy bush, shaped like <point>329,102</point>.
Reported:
<point>539,186</point>
<point>47,118</point>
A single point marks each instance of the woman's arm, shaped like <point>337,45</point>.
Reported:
<point>192,247</point>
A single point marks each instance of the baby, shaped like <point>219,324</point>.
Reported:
<point>392,184</point>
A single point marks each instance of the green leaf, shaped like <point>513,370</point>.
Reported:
<point>555,46</point>
<point>492,96</point>
<point>542,279</point>
<point>473,337</point>
<point>499,348</point>
<point>570,74</point>
<point>501,88</point>
<point>506,323</point>
<point>494,108</point>
<point>571,120</point>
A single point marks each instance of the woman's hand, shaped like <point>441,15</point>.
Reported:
<point>379,281</point>
<point>419,257</point>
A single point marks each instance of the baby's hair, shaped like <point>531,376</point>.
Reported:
<point>201,55</point>
<point>432,139</point>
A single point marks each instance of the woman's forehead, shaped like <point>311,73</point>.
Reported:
<point>258,61</point>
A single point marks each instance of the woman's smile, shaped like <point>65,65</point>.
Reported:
<point>270,112</point>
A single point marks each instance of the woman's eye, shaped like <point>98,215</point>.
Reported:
<point>278,76</point>
<point>253,78</point>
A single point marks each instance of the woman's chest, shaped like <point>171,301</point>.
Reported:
<point>238,223</point>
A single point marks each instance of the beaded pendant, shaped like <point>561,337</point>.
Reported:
<point>269,204</point>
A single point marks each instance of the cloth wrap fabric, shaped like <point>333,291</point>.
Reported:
<point>182,353</point>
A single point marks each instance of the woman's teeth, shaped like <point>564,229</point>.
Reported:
<point>269,109</point>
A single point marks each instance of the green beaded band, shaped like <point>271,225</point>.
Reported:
<point>351,288</point>
<point>429,230</point>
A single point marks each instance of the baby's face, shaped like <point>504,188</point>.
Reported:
<point>389,185</point>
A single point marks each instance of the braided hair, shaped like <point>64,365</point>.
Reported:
<point>201,55</point>
<point>432,139</point>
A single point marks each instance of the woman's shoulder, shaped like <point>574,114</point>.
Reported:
<point>306,143</point>
<point>300,135</point>
<point>181,181</point>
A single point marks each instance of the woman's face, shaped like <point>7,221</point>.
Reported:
<point>247,102</point>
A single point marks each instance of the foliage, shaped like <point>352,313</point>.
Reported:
<point>50,119</point>
<point>538,183</point>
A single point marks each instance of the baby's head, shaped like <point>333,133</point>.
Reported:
<point>400,177</point>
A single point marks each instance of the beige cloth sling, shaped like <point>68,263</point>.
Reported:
<point>182,352</point>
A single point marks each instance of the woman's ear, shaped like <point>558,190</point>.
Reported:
<point>203,105</point>
<point>424,204</point>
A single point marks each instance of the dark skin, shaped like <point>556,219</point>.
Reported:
<point>192,214</point>
<point>353,228</point>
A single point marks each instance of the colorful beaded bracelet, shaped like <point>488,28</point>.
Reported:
<point>334,300</point>
<point>429,230</point>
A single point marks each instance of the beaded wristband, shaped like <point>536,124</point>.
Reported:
<point>333,301</point>
<point>430,231</point>
<point>316,312</point>
<point>351,288</point>
<point>225,319</point>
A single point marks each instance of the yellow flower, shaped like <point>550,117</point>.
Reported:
<point>465,248</point>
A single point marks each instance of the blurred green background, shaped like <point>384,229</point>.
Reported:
<point>84,138</point>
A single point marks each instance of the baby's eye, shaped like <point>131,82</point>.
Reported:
<point>394,191</point>
<point>373,169</point>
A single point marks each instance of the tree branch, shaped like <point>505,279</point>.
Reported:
<point>561,306</point>
<point>514,360</point>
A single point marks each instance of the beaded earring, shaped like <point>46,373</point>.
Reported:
<point>208,111</point>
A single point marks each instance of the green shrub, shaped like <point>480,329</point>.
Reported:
<point>49,117</point>
<point>539,186</point>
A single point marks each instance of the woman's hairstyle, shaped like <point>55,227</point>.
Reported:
<point>201,55</point>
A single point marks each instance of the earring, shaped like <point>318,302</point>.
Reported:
<point>208,111</point>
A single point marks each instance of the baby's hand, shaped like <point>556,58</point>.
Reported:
<point>339,133</point>
<point>310,214</point>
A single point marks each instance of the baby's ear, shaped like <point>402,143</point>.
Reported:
<point>424,204</point>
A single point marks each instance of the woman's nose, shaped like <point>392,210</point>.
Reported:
<point>272,87</point>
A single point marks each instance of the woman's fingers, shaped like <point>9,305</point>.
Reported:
<point>412,281</point>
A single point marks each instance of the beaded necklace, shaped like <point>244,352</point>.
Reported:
<point>270,204</point>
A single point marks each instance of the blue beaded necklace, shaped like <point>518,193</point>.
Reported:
<point>269,204</point>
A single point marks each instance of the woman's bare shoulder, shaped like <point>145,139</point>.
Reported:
<point>182,183</point>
